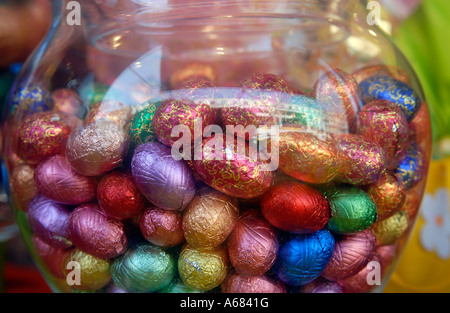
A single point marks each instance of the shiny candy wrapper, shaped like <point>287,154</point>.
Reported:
<point>177,286</point>
<point>167,183</point>
<point>56,180</point>
<point>351,254</point>
<point>32,98</point>
<point>42,135</point>
<point>308,158</point>
<point>109,110</point>
<point>363,161</point>
<point>385,123</point>
<point>94,272</point>
<point>143,268</point>
<point>53,258</point>
<point>353,210</point>
<point>118,196</point>
<point>238,283</point>
<point>97,148</point>
<point>304,257</point>
<point>23,186</point>
<point>253,244</point>
<point>389,230</point>
<point>411,168</point>
<point>391,89</point>
<point>381,70</point>
<point>93,232</point>
<point>50,221</point>
<point>227,165</point>
<point>322,285</point>
<point>67,101</point>
<point>303,110</point>
<point>295,207</point>
<point>140,129</point>
<point>203,269</point>
<point>209,218</point>
<point>162,228</point>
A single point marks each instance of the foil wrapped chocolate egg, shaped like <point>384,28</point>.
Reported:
<point>352,209</point>
<point>42,135</point>
<point>389,230</point>
<point>322,285</point>
<point>391,89</point>
<point>32,98</point>
<point>203,269</point>
<point>389,195</point>
<point>23,187</point>
<point>118,196</point>
<point>232,166</point>
<point>411,167</point>
<point>257,102</point>
<point>341,95</point>
<point>385,123</point>
<point>351,254</point>
<point>253,244</point>
<point>50,221</point>
<point>53,258</point>
<point>381,70</point>
<point>191,105</point>
<point>92,231</point>
<point>162,228</point>
<point>167,183</point>
<point>295,207</point>
<point>144,268</point>
<point>238,283</point>
<point>97,148</point>
<point>94,273</point>
<point>140,128</point>
<point>67,101</point>
<point>363,161</point>
<point>304,257</point>
<point>420,127</point>
<point>177,286</point>
<point>303,110</point>
<point>56,180</point>
<point>209,218</point>
<point>109,110</point>
<point>308,158</point>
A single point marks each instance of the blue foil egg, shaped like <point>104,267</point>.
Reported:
<point>32,98</point>
<point>411,168</point>
<point>388,88</point>
<point>304,257</point>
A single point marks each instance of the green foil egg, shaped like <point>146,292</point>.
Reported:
<point>140,129</point>
<point>144,268</point>
<point>177,286</point>
<point>353,210</point>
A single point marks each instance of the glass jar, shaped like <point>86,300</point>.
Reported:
<point>201,146</point>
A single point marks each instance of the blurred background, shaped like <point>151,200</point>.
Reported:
<point>417,26</point>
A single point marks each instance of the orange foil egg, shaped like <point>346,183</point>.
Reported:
<point>23,187</point>
<point>238,283</point>
<point>253,245</point>
<point>209,218</point>
<point>109,110</point>
<point>162,228</point>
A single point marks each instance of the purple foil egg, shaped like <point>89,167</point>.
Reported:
<point>351,254</point>
<point>95,233</point>
<point>56,180</point>
<point>49,221</point>
<point>322,285</point>
<point>167,183</point>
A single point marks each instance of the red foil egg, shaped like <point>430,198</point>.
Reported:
<point>383,122</point>
<point>118,196</point>
<point>351,254</point>
<point>56,179</point>
<point>23,186</point>
<point>67,101</point>
<point>52,257</point>
<point>42,135</point>
<point>95,233</point>
<point>162,228</point>
<point>253,245</point>
<point>295,207</point>
<point>238,283</point>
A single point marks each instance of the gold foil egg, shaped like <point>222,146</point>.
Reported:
<point>388,231</point>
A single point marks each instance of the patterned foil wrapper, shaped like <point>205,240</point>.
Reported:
<point>308,158</point>
<point>295,207</point>
<point>140,129</point>
<point>381,70</point>
<point>94,272</point>
<point>238,283</point>
<point>351,254</point>
<point>303,110</point>
<point>388,88</point>
<point>303,258</point>
<point>231,167</point>
<point>363,161</point>
<point>144,268</point>
<point>389,194</point>
<point>209,218</point>
<point>257,103</point>
<point>162,228</point>
<point>97,148</point>
<point>390,230</point>
<point>67,101</point>
<point>23,187</point>
<point>340,94</point>
<point>194,71</point>
<point>32,99</point>
<point>42,135</point>
<point>109,110</point>
<point>56,180</point>
<point>411,168</point>
<point>253,244</point>
<point>203,269</point>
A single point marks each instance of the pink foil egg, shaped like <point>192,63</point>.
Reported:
<point>238,283</point>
